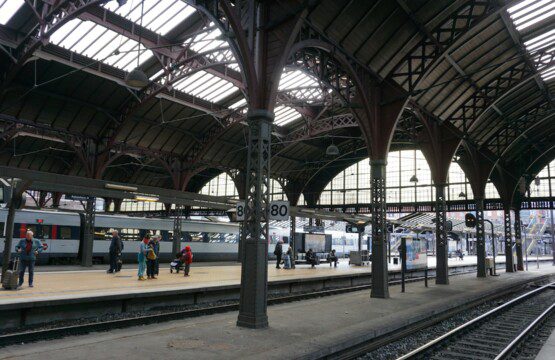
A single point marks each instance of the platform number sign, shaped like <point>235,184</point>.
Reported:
<point>279,210</point>
<point>240,210</point>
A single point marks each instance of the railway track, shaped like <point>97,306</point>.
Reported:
<point>48,333</point>
<point>497,334</point>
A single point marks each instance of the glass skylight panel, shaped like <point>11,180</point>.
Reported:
<point>99,43</point>
<point>159,16</point>
<point>285,115</point>
<point>238,104</point>
<point>541,46</point>
<point>206,86</point>
<point>8,8</point>
<point>301,86</point>
<point>212,39</point>
<point>530,12</point>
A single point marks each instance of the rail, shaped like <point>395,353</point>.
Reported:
<point>466,326</point>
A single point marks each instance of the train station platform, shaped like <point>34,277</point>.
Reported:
<point>303,329</point>
<point>74,282</point>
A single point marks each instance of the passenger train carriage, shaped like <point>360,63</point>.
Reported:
<point>61,233</point>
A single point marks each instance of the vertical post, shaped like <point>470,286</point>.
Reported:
<point>480,238</point>
<point>518,240</point>
<point>403,262</point>
<point>442,264</point>
<point>360,242</point>
<point>88,232</point>
<point>254,267</point>
<point>380,286</point>
<point>508,242</point>
<point>176,241</point>
<point>292,231</point>
<point>9,237</point>
<point>552,235</point>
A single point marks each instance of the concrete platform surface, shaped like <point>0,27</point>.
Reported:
<point>548,350</point>
<point>301,329</point>
<point>65,284</point>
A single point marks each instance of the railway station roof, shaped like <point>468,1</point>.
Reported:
<point>485,69</point>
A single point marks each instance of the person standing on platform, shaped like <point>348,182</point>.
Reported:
<point>116,246</point>
<point>157,252</point>
<point>187,259</point>
<point>288,258</point>
<point>143,250</point>
<point>278,252</point>
<point>151,260</point>
<point>28,250</point>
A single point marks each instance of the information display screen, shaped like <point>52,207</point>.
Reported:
<point>316,242</point>
<point>416,253</point>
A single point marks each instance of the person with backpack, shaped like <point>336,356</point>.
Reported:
<point>141,257</point>
<point>187,259</point>
<point>28,250</point>
<point>278,252</point>
<point>151,258</point>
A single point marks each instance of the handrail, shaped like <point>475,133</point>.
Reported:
<point>464,326</point>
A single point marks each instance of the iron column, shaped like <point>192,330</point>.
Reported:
<point>518,240</point>
<point>509,267</point>
<point>442,264</point>
<point>88,232</point>
<point>480,238</point>
<point>254,267</point>
<point>380,286</point>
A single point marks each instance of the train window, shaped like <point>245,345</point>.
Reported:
<point>2,229</point>
<point>64,232</point>
<point>101,233</point>
<point>46,231</point>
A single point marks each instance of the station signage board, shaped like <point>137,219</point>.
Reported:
<point>417,257</point>
<point>279,210</point>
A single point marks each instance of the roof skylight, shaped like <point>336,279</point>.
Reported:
<point>8,8</point>
<point>206,86</point>
<point>301,86</point>
<point>159,16</point>
<point>529,12</point>
<point>212,39</point>
<point>99,43</point>
<point>285,115</point>
<point>542,46</point>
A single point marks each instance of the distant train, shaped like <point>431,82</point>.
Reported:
<point>62,232</point>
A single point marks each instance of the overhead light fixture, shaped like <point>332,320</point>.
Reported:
<point>146,198</point>
<point>332,150</point>
<point>120,187</point>
<point>136,78</point>
<point>462,195</point>
<point>122,2</point>
<point>537,181</point>
<point>414,179</point>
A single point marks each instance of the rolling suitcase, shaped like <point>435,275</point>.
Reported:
<point>10,281</point>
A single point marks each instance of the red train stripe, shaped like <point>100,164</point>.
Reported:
<point>22,230</point>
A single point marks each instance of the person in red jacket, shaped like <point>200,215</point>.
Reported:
<point>187,259</point>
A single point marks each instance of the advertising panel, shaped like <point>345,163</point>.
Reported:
<point>416,253</point>
<point>316,242</point>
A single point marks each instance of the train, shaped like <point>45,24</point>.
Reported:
<point>61,233</point>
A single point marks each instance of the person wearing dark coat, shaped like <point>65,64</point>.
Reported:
<point>278,252</point>
<point>311,258</point>
<point>28,250</point>
<point>332,258</point>
<point>116,247</point>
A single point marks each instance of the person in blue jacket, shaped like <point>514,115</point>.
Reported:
<point>28,249</point>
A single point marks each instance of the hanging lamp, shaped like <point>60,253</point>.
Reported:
<point>137,78</point>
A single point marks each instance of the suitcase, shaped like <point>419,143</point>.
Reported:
<point>10,281</point>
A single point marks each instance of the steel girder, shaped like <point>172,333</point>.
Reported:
<point>380,287</point>
<point>518,241</point>
<point>437,43</point>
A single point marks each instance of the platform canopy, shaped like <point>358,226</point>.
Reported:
<point>69,101</point>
